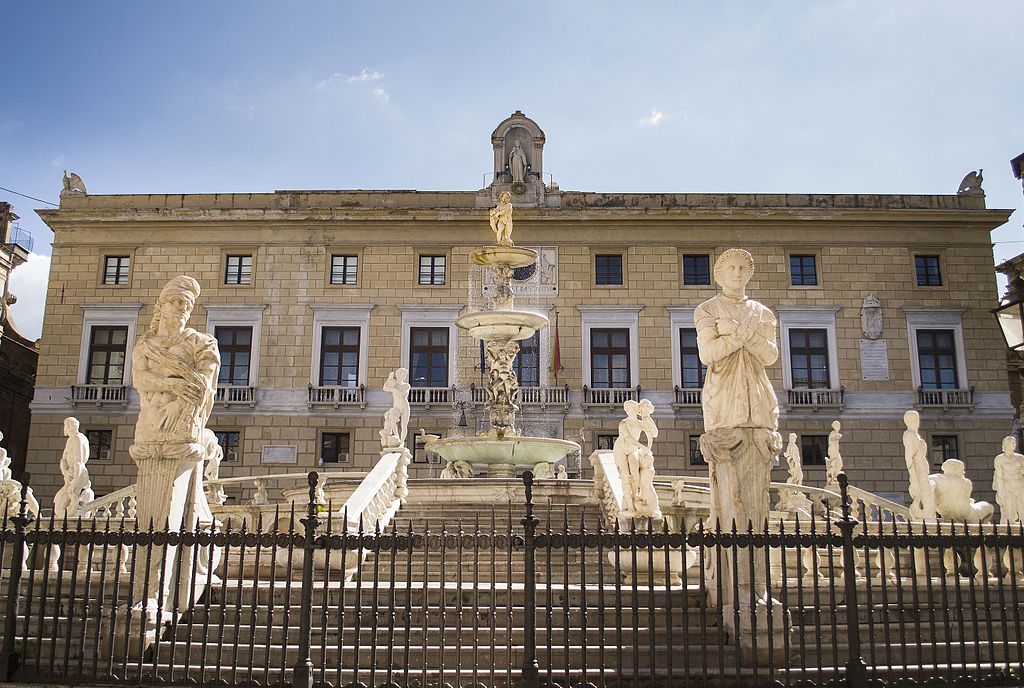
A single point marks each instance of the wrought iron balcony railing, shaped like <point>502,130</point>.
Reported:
<point>21,237</point>
<point>336,396</point>
<point>945,398</point>
<point>815,399</point>
<point>236,395</point>
<point>99,394</point>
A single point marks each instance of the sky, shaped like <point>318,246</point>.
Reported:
<point>766,96</point>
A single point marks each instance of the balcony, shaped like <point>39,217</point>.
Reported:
<point>20,237</point>
<point>945,399</point>
<point>815,399</point>
<point>97,395</point>
<point>687,398</point>
<point>425,397</point>
<point>336,397</point>
<point>533,398</point>
<point>610,398</point>
<point>236,395</point>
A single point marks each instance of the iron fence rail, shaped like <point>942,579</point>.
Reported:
<point>517,596</point>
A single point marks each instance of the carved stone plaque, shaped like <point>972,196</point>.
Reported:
<point>874,359</point>
<point>543,280</point>
<point>280,453</point>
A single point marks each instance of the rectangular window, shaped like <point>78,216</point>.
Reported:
<point>428,356</point>
<point>107,350</point>
<point>696,269</point>
<point>609,358</point>
<point>238,270</point>
<point>691,369</point>
<point>527,362</point>
<point>808,358</point>
<point>339,357</point>
<point>945,447</point>
<point>696,458</point>
<point>605,442</point>
<point>928,272</point>
<point>235,353</point>
<point>100,442</point>
<point>115,270</point>
<point>936,357</point>
<point>344,269</point>
<point>803,271</point>
<point>230,443</point>
<point>608,269</point>
<point>419,450</point>
<point>334,447</point>
<point>813,449</point>
<point>432,270</point>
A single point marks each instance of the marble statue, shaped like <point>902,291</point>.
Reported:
<point>390,435</point>
<point>517,163</point>
<point>398,384</point>
<point>71,499</point>
<point>915,451</point>
<point>953,495</point>
<point>971,184</point>
<point>72,183</point>
<point>1008,482</point>
<point>10,498</point>
<point>834,460</point>
<point>871,317</point>
<point>260,497</point>
<point>793,500</point>
<point>635,460</point>
<point>502,387</point>
<point>211,474</point>
<point>561,473</point>
<point>457,469</point>
<point>736,340</point>
<point>543,471</point>
<point>174,369</point>
<point>501,220</point>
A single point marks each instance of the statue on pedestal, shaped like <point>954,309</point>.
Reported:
<point>834,460</point>
<point>952,491</point>
<point>398,384</point>
<point>211,474</point>
<point>1008,482</point>
<point>736,340</point>
<point>501,220</point>
<point>794,500</point>
<point>71,499</point>
<point>915,451</point>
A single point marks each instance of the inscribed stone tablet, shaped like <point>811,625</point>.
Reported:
<point>874,359</point>
<point>287,453</point>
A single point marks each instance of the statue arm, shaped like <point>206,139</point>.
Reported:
<point>145,380</point>
<point>762,341</point>
<point>712,346</point>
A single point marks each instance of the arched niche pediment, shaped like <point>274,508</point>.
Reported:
<point>520,131</point>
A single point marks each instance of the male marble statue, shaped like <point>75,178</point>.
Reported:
<point>174,368</point>
<point>211,474</point>
<point>1008,482</point>
<point>77,489</point>
<point>793,500</point>
<point>624,450</point>
<point>501,220</point>
<point>645,499</point>
<point>953,495</point>
<point>398,384</point>
<point>915,451</point>
<point>517,163</point>
<point>834,461</point>
<point>736,341</point>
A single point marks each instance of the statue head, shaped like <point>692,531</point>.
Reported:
<point>175,302</point>
<point>402,374</point>
<point>1009,444</point>
<point>792,438</point>
<point>631,407</point>
<point>210,443</point>
<point>71,426</point>
<point>505,197</point>
<point>646,407</point>
<point>954,467</point>
<point>733,269</point>
<point>912,419</point>
<point>836,425</point>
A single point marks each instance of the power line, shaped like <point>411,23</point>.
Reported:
<point>18,193</point>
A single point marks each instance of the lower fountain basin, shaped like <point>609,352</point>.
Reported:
<point>502,325</point>
<point>503,453</point>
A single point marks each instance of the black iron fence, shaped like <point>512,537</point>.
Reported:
<point>511,597</point>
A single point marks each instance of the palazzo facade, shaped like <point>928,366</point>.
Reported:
<point>883,301</point>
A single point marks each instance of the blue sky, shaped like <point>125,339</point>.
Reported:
<point>824,97</point>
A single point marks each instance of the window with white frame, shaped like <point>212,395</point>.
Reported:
<point>607,320</point>
<point>432,317</point>
<point>238,329</point>
<point>108,335</point>
<point>687,370</point>
<point>340,333</point>
<point>810,356</point>
<point>936,348</point>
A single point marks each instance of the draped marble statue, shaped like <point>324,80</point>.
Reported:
<point>834,460</point>
<point>174,368</point>
<point>517,163</point>
<point>1008,482</point>
<point>736,340</point>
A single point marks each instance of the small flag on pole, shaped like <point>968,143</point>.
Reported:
<point>556,351</point>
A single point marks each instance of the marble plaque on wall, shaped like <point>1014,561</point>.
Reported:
<point>281,453</point>
<point>874,359</point>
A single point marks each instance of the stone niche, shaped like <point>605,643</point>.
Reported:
<point>519,129</point>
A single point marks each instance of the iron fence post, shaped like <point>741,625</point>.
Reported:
<point>302,673</point>
<point>531,670</point>
<point>856,669</point>
<point>9,657</point>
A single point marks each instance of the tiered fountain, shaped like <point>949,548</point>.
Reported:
<point>501,327</point>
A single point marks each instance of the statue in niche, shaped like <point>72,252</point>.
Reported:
<point>398,384</point>
<point>71,499</point>
<point>517,164</point>
<point>834,460</point>
<point>454,470</point>
<point>211,475</point>
<point>1008,482</point>
<point>953,495</point>
<point>175,370</point>
<point>971,184</point>
<point>501,220</point>
<point>915,452</point>
<point>871,317</point>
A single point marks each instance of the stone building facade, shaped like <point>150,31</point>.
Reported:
<point>316,295</point>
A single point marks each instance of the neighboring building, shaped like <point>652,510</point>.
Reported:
<point>18,355</point>
<point>316,295</point>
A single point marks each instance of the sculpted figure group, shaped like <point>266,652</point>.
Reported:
<point>635,460</point>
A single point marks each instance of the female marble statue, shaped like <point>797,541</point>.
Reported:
<point>1008,482</point>
<point>794,462</point>
<point>915,451</point>
<point>517,163</point>
<point>645,497</point>
<point>77,490</point>
<point>625,449</point>
<point>398,384</point>
<point>501,220</point>
<point>211,474</point>
<point>834,462</point>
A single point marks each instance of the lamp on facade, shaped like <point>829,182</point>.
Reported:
<point>1010,313</point>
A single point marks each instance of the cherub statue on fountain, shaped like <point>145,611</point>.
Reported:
<point>501,220</point>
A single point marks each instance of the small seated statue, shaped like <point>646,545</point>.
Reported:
<point>457,469</point>
<point>952,491</point>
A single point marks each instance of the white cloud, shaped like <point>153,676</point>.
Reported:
<point>338,78</point>
<point>365,75</point>
<point>28,283</point>
<point>381,95</point>
<point>58,162</point>
<point>654,119</point>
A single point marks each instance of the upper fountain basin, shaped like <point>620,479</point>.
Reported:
<point>502,325</point>
<point>513,256</point>
<point>508,450</point>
